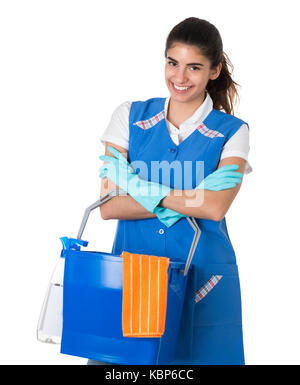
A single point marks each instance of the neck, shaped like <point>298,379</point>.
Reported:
<point>178,112</point>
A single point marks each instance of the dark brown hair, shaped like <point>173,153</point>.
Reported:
<point>206,37</point>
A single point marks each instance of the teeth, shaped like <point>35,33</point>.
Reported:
<point>180,88</point>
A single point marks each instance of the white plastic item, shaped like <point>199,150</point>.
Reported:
<point>50,322</point>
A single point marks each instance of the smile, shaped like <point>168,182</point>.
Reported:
<point>180,89</point>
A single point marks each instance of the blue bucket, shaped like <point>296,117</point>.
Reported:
<point>92,312</point>
<point>92,306</point>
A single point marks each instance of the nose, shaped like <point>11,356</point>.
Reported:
<point>180,77</point>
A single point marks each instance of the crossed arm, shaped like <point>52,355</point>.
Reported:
<point>208,205</point>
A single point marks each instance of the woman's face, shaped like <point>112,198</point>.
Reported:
<point>187,73</point>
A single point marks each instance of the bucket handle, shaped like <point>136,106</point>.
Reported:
<point>114,193</point>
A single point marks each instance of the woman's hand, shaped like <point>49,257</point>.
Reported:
<point>146,193</point>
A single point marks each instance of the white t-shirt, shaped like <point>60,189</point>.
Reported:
<point>117,131</point>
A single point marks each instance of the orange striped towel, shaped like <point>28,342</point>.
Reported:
<point>145,288</point>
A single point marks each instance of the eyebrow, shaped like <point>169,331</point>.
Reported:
<point>189,64</point>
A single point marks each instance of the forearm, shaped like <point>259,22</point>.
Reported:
<point>121,206</point>
<point>203,204</point>
<point>124,207</point>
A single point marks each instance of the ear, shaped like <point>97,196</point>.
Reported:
<point>215,72</point>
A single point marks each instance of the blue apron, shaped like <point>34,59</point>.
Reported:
<point>211,325</point>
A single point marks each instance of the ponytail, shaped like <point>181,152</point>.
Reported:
<point>223,90</point>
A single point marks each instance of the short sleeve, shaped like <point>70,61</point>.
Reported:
<point>117,130</point>
<point>238,145</point>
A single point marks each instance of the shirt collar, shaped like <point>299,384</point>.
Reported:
<point>199,115</point>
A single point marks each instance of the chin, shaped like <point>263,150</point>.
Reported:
<point>181,98</point>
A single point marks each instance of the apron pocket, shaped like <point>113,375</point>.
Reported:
<point>218,299</point>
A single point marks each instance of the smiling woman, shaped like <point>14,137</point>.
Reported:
<point>194,124</point>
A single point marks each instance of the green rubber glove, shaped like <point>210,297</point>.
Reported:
<point>167,216</point>
<point>118,170</point>
<point>222,179</point>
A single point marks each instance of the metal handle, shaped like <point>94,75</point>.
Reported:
<point>98,203</point>
<point>194,244</point>
<point>114,193</point>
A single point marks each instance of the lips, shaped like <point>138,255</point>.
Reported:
<point>183,90</point>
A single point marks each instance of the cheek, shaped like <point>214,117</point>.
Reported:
<point>168,73</point>
<point>200,79</point>
<point>168,77</point>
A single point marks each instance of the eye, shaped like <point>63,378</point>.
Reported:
<point>194,68</point>
<point>172,63</point>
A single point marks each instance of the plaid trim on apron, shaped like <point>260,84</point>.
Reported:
<point>207,132</point>
<point>146,124</point>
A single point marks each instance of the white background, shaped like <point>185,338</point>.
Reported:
<point>64,68</point>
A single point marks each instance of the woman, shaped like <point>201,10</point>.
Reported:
<point>188,126</point>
